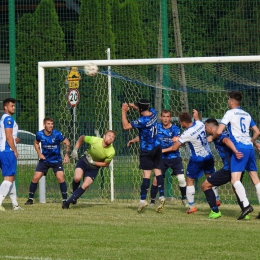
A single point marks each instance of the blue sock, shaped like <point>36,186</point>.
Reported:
<point>75,195</point>
<point>154,190</point>
<point>144,188</point>
<point>75,185</point>
<point>211,199</point>
<point>32,189</point>
<point>160,183</point>
<point>63,189</point>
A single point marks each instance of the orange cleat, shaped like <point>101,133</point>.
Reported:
<point>191,210</point>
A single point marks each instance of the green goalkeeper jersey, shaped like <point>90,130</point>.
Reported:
<point>97,151</point>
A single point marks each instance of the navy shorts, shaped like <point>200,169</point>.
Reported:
<point>175,164</point>
<point>89,170</point>
<point>220,177</point>
<point>45,166</point>
<point>150,160</point>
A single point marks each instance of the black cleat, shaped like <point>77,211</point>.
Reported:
<point>29,202</point>
<point>245,212</point>
<point>74,202</point>
<point>65,205</point>
<point>258,216</point>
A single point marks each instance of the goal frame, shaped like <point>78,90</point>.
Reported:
<point>118,62</point>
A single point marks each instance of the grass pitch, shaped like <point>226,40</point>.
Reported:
<point>117,231</point>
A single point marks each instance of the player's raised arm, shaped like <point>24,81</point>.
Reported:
<point>196,115</point>
<point>126,125</point>
<point>135,140</point>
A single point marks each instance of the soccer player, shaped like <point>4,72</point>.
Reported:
<point>201,159</point>
<point>99,154</point>
<point>167,134</point>
<point>49,157</point>
<point>239,122</point>
<point>151,151</point>
<point>225,147</point>
<point>8,153</point>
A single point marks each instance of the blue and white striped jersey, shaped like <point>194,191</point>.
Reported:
<point>7,122</point>
<point>195,136</point>
<point>238,123</point>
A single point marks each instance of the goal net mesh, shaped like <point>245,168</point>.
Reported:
<point>200,86</point>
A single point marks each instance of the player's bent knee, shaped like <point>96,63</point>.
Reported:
<point>206,185</point>
<point>181,180</point>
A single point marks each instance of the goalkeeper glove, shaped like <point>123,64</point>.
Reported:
<point>89,158</point>
<point>74,154</point>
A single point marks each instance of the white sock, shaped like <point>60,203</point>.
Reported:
<point>257,186</point>
<point>190,191</point>
<point>12,195</point>
<point>241,193</point>
<point>215,189</point>
<point>4,190</point>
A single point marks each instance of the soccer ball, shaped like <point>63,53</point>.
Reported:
<point>91,69</point>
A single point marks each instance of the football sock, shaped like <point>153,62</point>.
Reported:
<point>190,191</point>
<point>144,188</point>
<point>63,189</point>
<point>211,199</point>
<point>154,190</point>
<point>182,185</point>
<point>183,192</point>
<point>32,189</point>
<point>4,190</point>
<point>257,186</point>
<point>239,202</point>
<point>215,190</point>
<point>160,183</point>
<point>12,195</point>
<point>75,195</point>
<point>241,193</point>
<point>75,185</point>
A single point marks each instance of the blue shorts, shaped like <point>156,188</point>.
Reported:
<point>195,169</point>
<point>175,164</point>
<point>45,166</point>
<point>8,163</point>
<point>247,162</point>
<point>89,170</point>
<point>150,160</point>
<point>220,177</point>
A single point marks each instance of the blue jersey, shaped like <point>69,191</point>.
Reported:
<point>196,138</point>
<point>239,123</point>
<point>50,145</point>
<point>223,150</point>
<point>7,122</point>
<point>147,126</point>
<point>165,138</point>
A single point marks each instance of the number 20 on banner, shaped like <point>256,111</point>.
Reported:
<point>73,97</point>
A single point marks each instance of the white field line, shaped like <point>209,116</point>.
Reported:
<point>29,258</point>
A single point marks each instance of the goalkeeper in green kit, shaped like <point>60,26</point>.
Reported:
<point>99,154</point>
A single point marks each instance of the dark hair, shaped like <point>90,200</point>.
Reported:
<point>47,119</point>
<point>7,101</point>
<point>165,111</point>
<point>185,117</point>
<point>143,104</point>
<point>212,121</point>
<point>237,95</point>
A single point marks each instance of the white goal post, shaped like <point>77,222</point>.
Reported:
<point>118,62</point>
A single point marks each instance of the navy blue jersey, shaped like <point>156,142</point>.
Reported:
<point>165,138</point>
<point>223,150</point>
<point>147,126</point>
<point>50,145</point>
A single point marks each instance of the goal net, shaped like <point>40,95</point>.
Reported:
<point>179,84</point>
